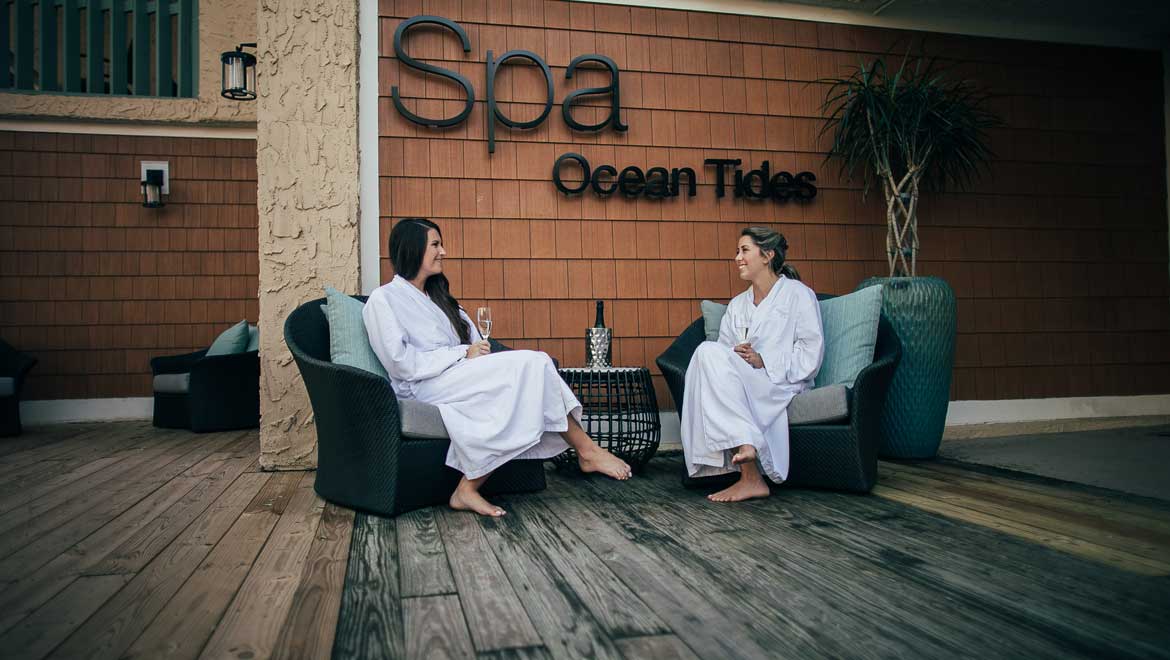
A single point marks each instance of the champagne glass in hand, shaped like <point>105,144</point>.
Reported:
<point>483,317</point>
<point>741,328</point>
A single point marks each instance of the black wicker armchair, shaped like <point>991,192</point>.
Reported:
<point>366,459</point>
<point>14,367</point>
<point>839,455</point>
<point>207,393</point>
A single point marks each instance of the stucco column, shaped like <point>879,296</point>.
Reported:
<point>307,167</point>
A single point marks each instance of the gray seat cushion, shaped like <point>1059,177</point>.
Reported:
<point>421,420</point>
<point>7,386</point>
<point>820,406</point>
<point>172,383</point>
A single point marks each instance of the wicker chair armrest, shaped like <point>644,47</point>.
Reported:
<point>176,364</point>
<point>674,360</point>
<point>16,364</point>
<point>868,394</point>
<point>225,371</point>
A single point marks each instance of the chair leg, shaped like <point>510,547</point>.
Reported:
<point>172,411</point>
<point>9,416</point>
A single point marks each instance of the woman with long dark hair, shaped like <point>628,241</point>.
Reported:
<point>735,402</point>
<point>496,406</point>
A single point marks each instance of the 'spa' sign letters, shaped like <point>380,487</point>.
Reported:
<point>493,65</point>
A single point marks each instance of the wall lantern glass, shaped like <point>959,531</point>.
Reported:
<point>155,183</point>
<point>239,74</point>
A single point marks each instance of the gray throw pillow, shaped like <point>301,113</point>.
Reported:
<point>712,316</point>
<point>348,342</point>
<point>850,325</point>
<point>230,341</point>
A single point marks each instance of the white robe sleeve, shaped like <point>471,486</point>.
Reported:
<point>472,327</point>
<point>801,359</point>
<point>402,361</point>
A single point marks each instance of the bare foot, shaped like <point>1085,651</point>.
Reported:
<point>741,490</point>
<point>746,454</point>
<point>466,499</point>
<point>604,462</point>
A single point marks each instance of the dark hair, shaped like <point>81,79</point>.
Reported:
<point>769,239</point>
<point>408,244</point>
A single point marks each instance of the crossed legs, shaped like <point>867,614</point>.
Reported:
<point>590,457</point>
<point>751,483</point>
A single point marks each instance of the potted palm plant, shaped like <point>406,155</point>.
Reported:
<point>908,130</point>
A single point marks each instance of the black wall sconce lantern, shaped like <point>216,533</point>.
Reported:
<point>239,74</point>
<point>155,183</point>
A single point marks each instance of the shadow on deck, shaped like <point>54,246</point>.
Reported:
<point>121,540</point>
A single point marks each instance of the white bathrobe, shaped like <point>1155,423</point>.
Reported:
<point>728,403</point>
<point>496,407</point>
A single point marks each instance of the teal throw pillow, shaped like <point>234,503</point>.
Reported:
<point>253,339</point>
<point>230,341</point>
<point>348,342</point>
<point>850,325</point>
<point>712,316</point>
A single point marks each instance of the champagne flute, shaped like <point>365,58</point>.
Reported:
<point>484,318</point>
<point>741,328</point>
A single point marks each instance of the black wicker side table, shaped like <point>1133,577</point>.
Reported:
<point>619,411</point>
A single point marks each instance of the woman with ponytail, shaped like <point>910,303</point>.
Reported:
<point>496,406</point>
<point>735,402</point>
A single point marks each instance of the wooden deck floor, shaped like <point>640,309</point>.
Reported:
<point>120,540</point>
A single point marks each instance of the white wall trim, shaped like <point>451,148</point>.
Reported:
<point>1033,410</point>
<point>61,411</point>
<point>136,128</point>
<point>962,413</point>
<point>369,270</point>
<point>1004,29</point>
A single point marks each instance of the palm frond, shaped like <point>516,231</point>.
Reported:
<point>884,120</point>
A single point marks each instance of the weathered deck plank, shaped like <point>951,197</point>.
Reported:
<point>659,647</point>
<point>190,617</point>
<point>370,622</point>
<point>36,636</point>
<point>111,631</point>
<point>1128,523</point>
<point>35,588</point>
<point>311,623</point>
<point>140,547</point>
<point>424,559</point>
<point>23,523</point>
<point>494,614</point>
<point>785,581</point>
<point>42,436</point>
<point>49,443</point>
<point>690,612</point>
<point>435,628</point>
<point>252,623</point>
<point>1065,593</point>
<point>587,567</point>
<point>1042,535</point>
<point>129,503</point>
<point>44,476</point>
<point>556,605</point>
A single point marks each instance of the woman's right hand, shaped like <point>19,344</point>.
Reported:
<point>478,348</point>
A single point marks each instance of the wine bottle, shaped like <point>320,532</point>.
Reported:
<point>599,322</point>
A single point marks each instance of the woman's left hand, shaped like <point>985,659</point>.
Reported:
<point>749,355</point>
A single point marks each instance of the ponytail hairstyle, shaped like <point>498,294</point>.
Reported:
<point>408,245</point>
<point>769,239</point>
